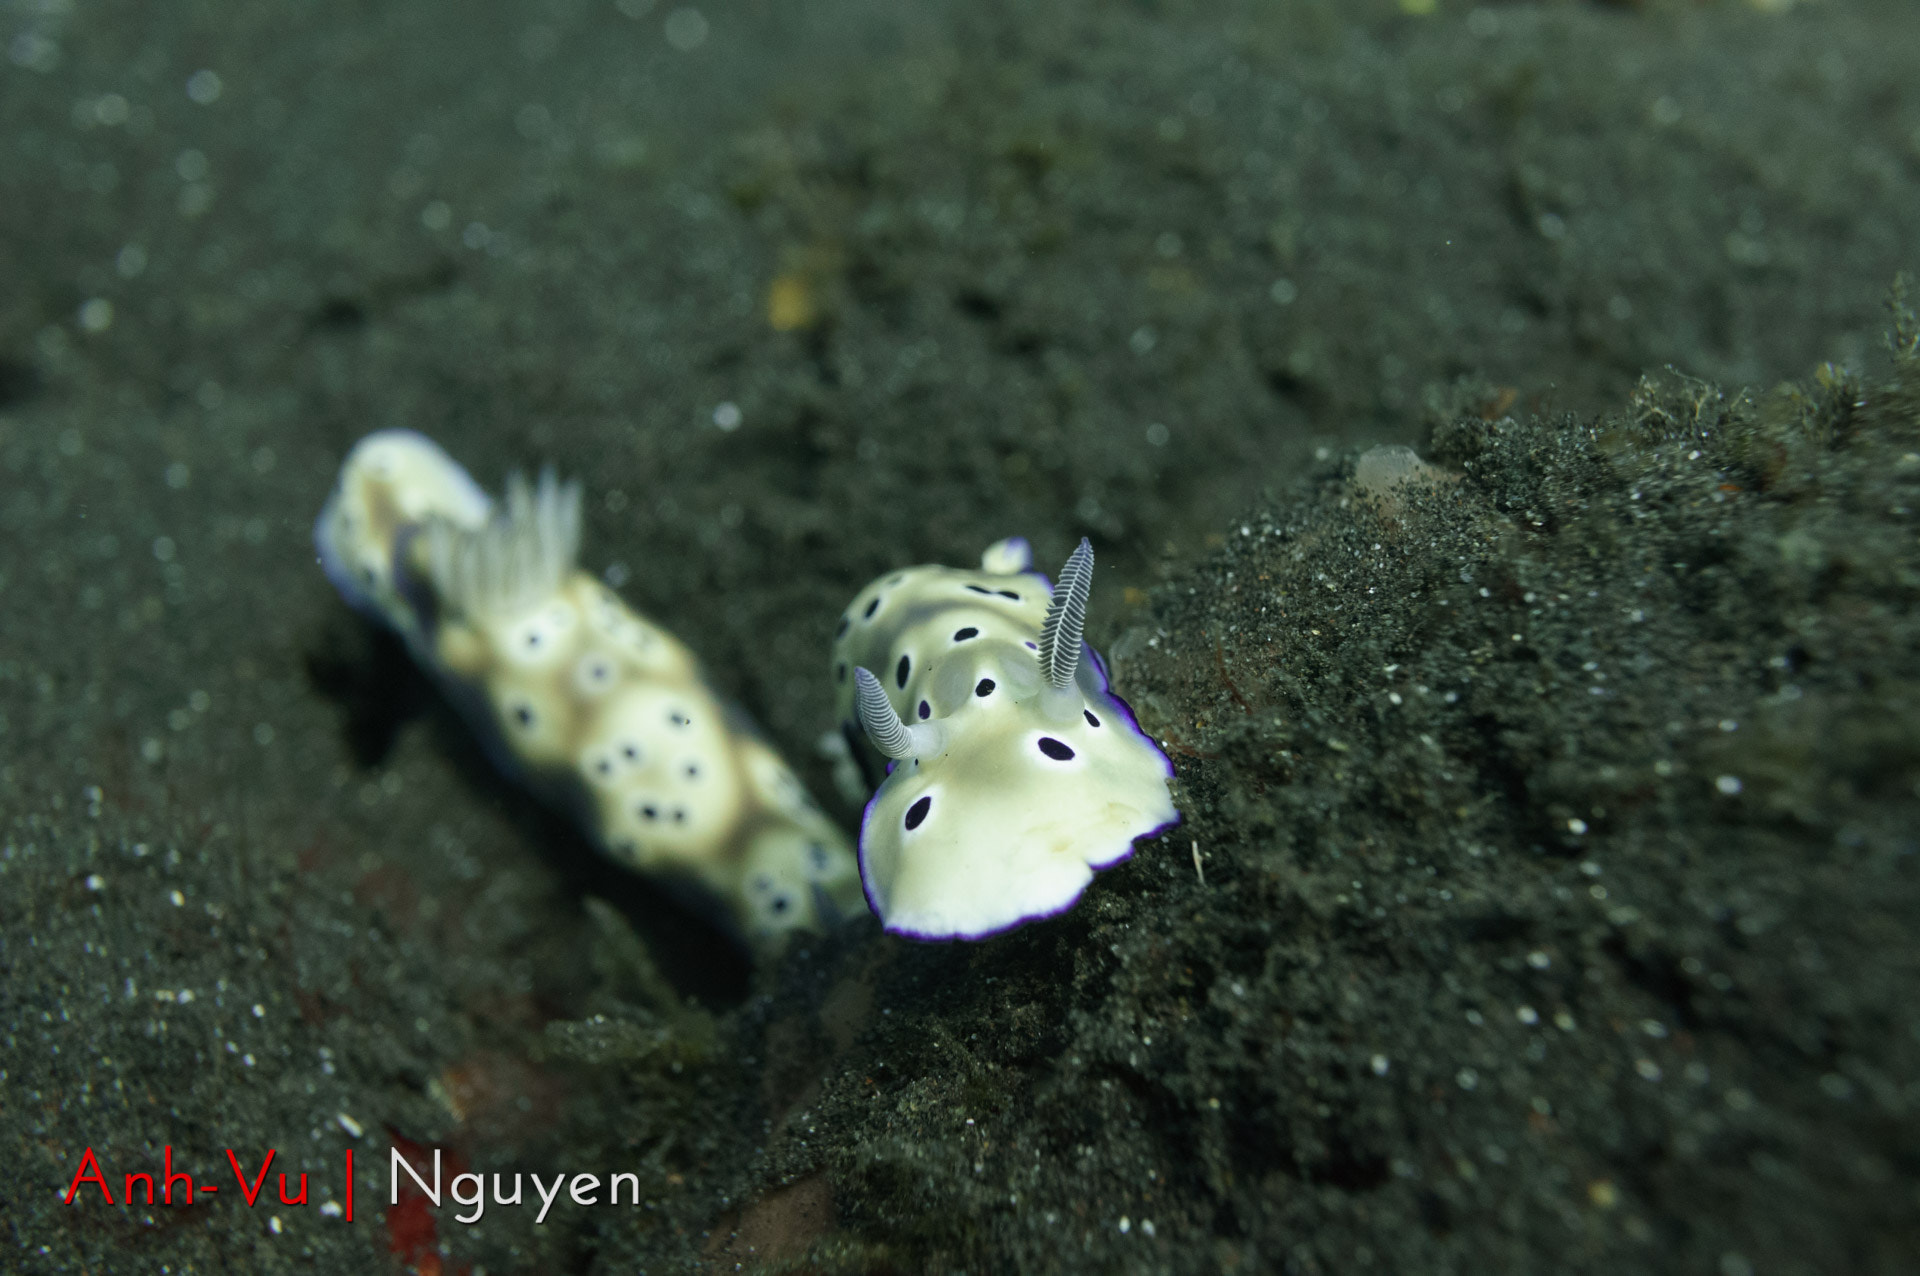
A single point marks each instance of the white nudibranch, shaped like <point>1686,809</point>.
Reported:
<point>1015,771</point>
<point>593,705</point>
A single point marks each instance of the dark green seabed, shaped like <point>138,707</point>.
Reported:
<point>1547,890</point>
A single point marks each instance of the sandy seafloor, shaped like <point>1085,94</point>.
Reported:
<point>1557,818</point>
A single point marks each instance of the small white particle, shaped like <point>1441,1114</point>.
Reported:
<point>350,1125</point>
<point>1467,1078</point>
<point>1379,1064</point>
<point>1158,434</point>
<point>204,87</point>
<point>1126,1225</point>
<point>330,1209</point>
<point>1526,1015</point>
<point>259,1011</point>
<point>1576,827</point>
<point>728,416</point>
<point>686,29</point>
<point>1647,1068</point>
<point>178,899</point>
<point>95,882</point>
<point>1728,784</point>
<point>273,1224</point>
<point>1539,960</point>
<point>95,314</point>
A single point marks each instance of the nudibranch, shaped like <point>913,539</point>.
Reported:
<point>1015,771</point>
<point>591,704</point>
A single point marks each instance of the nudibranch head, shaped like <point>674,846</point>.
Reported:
<point>392,484</point>
<point>1016,772</point>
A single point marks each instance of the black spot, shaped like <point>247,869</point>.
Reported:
<point>523,714</point>
<point>533,640</point>
<point>604,767</point>
<point>841,630</point>
<point>692,771</point>
<point>598,672</point>
<point>648,811</point>
<point>961,635</point>
<point>980,589</point>
<point>984,687</point>
<point>871,608</point>
<point>1055,749</point>
<point>679,719</point>
<point>679,815</point>
<point>900,672</point>
<point>840,672</point>
<point>631,752</point>
<point>1091,720</point>
<point>781,903</point>
<point>926,711</point>
<point>1033,646</point>
<point>1007,593</point>
<point>917,813</point>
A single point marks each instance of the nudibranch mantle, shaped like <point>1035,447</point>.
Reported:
<point>1017,772</point>
<point>592,704</point>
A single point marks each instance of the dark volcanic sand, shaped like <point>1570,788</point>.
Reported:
<point>1557,819</point>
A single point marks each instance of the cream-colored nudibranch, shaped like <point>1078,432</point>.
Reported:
<point>590,703</point>
<point>1016,772</point>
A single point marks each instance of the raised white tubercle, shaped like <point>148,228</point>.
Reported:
<point>1007,557</point>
